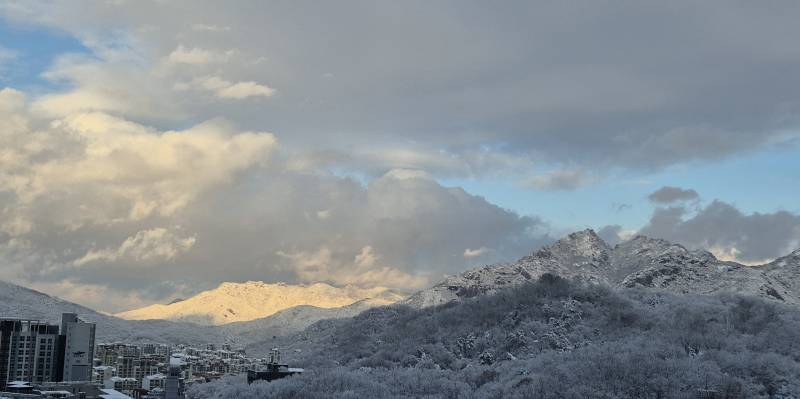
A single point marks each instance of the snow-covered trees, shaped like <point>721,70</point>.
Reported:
<point>550,339</point>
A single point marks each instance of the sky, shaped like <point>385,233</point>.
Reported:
<point>150,150</point>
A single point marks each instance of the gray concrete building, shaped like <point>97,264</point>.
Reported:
<point>78,341</point>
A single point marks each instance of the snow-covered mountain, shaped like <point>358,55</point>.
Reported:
<point>258,311</point>
<point>240,302</point>
<point>641,261</point>
<point>16,301</point>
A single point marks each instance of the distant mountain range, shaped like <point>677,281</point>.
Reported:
<point>253,312</point>
<point>239,302</point>
<point>639,262</point>
<point>16,301</point>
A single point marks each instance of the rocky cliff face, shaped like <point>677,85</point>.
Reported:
<point>639,262</point>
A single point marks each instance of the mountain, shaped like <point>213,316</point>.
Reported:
<point>239,302</point>
<point>786,271</point>
<point>639,262</point>
<point>552,338</point>
<point>16,301</point>
<point>293,320</point>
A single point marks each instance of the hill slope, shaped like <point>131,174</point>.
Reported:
<point>238,302</point>
<point>290,321</point>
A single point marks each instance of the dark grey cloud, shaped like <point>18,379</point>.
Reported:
<point>669,194</point>
<point>727,231</point>
<point>637,86</point>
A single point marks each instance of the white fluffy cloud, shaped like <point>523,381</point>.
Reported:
<point>133,171</point>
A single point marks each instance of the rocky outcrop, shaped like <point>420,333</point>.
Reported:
<point>638,262</point>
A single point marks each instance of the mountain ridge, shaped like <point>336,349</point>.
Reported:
<point>240,302</point>
<point>640,261</point>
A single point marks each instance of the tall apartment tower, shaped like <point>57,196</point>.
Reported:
<point>29,351</point>
<point>77,339</point>
<point>173,385</point>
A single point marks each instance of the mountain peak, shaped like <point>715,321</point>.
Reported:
<point>585,243</point>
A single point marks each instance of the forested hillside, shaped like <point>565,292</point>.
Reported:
<point>551,338</point>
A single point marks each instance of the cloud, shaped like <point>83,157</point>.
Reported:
<point>88,199</point>
<point>83,191</point>
<point>136,170</point>
<point>119,86</point>
<point>228,90</point>
<point>475,253</point>
<point>146,247</point>
<point>194,56</point>
<point>560,180</point>
<point>118,145</point>
<point>728,232</point>
<point>364,269</point>
<point>668,195</point>
<point>210,28</point>
<point>242,90</point>
<point>633,106</point>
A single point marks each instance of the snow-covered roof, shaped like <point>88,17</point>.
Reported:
<point>112,394</point>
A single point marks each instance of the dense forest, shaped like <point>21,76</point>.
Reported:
<point>552,338</point>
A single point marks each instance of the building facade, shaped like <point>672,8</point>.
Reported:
<point>78,340</point>
<point>38,352</point>
<point>29,351</point>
